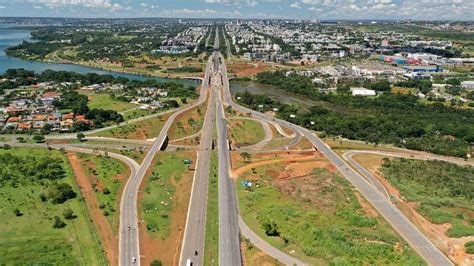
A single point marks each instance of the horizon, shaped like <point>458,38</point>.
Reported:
<point>441,10</point>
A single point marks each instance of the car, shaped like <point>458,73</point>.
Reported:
<point>188,262</point>
<point>134,260</point>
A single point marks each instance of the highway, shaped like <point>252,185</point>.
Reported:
<point>195,230</point>
<point>129,245</point>
<point>420,243</point>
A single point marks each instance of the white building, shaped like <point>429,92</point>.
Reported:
<point>468,85</point>
<point>362,92</point>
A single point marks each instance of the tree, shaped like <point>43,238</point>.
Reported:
<point>59,193</point>
<point>246,156</point>
<point>156,263</point>
<point>80,136</point>
<point>69,214</point>
<point>58,223</point>
<point>17,212</point>
<point>271,228</point>
<point>38,138</point>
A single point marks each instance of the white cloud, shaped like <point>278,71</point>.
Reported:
<point>104,4</point>
<point>296,5</point>
<point>3,7</point>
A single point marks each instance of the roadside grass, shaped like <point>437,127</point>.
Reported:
<point>136,113</point>
<point>108,177</point>
<point>253,256</point>
<point>31,238</point>
<point>104,101</point>
<point>319,220</point>
<point>343,144</point>
<point>158,198</point>
<point>142,130</point>
<point>444,191</point>
<point>188,123</point>
<point>245,132</point>
<point>211,248</point>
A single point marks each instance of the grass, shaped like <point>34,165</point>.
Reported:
<point>157,203</point>
<point>211,249</point>
<point>255,257</point>
<point>30,238</point>
<point>142,130</point>
<point>320,219</point>
<point>109,176</point>
<point>188,123</point>
<point>444,191</point>
<point>104,101</point>
<point>246,132</point>
<point>136,113</point>
<point>469,247</point>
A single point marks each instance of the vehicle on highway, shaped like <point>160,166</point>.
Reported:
<point>134,260</point>
<point>188,262</point>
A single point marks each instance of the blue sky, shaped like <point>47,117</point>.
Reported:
<point>304,9</point>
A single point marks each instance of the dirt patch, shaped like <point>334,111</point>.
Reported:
<point>166,250</point>
<point>247,69</point>
<point>109,240</point>
<point>255,257</point>
<point>453,247</point>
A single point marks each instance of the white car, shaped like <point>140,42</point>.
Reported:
<point>134,260</point>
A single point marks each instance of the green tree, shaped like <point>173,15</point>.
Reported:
<point>38,138</point>
<point>68,214</point>
<point>58,223</point>
<point>80,136</point>
<point>246,156</point>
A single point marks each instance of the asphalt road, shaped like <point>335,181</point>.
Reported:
<point>420,243</point>
<point>129,247</point>
<point>194,235</point>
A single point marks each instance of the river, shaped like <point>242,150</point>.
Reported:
<point>10,37</point>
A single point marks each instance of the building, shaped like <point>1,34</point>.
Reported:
<point>362,92</point>
<point>421,69</point>
<point>468,85</point>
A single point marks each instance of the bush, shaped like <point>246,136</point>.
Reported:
<point>60,193</point>
<point>58,223</point>
<point>17,212</point>
<point>106,191</point>
<point>469,247</point>
<point>69,214</point>
<point>156,263</point>
<point>271,228</point>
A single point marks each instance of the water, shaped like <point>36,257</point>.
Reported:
<point>274,93</point>
<point>10,37</point>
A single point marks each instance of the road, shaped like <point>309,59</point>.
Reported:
<point>195,230</point>
<point>420,243</point>
<point>129,245</point>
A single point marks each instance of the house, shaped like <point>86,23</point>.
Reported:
<point>68,116</point>
<point>362,92</point>
<point>468,85</point>
<point>24,126</point>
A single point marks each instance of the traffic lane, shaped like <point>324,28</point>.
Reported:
<point>194,235</point>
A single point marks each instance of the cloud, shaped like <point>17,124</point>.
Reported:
<point>2,7</point>
<point>296,5</point>
<point>102,4</point>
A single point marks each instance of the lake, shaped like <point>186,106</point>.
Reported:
<point>11,37</point>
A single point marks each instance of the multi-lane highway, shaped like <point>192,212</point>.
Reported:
<point>129,246</point>
<point>192,250</point>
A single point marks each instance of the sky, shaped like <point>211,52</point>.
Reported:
<point>260,9</point>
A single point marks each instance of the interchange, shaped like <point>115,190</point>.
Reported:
<point>216,87</point>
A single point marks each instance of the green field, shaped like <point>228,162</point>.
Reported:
<point>26,177</point>
<point>444,191</point>
<point>157,203</point>
<point>320,219</point>
<point>145,129</point>
<point>246,132</point>
<point>136,114</point>
<point>189,123</point>
<point>104,101</point>
<point>211,249</point>
<point>108,184</point>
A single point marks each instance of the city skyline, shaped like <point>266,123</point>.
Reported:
<point>244,9</point>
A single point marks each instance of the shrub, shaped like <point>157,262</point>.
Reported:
<point>17,212</point>
<point>69,214</point>
<point>156,263</point>
<point>469,247</point>
<point>60,193</point>
<point>271,228</point>
<point>58,223</point>
<point>106,191</point>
